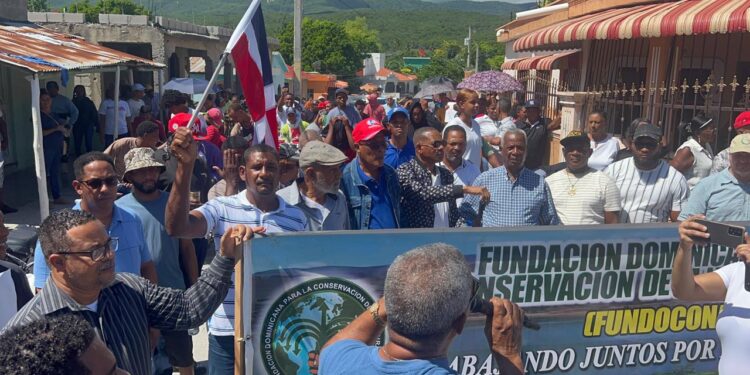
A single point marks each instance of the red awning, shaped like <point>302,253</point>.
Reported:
<point>510,64</point>
<point>685,17</point>
<point>530,62</point>
<point>552,61</point>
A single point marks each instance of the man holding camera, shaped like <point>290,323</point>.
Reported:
<point>426,310</point>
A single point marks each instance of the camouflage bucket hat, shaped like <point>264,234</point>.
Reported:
<point>139,158</point>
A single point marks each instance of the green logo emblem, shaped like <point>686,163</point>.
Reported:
<point>302,320</point>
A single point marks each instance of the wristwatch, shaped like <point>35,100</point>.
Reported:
<point>374,309</point>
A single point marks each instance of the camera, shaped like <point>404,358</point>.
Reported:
<point>736,232</point>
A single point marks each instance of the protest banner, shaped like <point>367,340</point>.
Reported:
<point>600,293</point>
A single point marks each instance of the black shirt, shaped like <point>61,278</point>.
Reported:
<point>537,137</point>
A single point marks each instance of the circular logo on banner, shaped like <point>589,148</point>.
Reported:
<point>302,320</point>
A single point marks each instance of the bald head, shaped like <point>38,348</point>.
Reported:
<point>424,134</point>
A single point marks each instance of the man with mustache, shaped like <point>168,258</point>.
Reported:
<point>258,203</point>
<point>96,184</point>
<point>317,193</point>
<point>583,195</point>
<point>121,306</point>
<point>520,197</point>
<point>149,203</point>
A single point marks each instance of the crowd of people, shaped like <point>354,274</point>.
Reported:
<point>160,196</point>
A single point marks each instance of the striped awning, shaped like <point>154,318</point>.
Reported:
<point>509,64</point>
<point>550,62</point>
<point>530,62</point>
<point>685,17</point>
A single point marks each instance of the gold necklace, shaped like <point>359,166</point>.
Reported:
<point>571,185</point>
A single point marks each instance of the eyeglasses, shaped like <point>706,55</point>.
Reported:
<point>96,183</point>
<point>435,145</point>
<point>98,253</point>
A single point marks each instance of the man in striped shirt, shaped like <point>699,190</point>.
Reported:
<point>258,205</point>
<point>120,306</point>
<point>651,191</point>
<point>582,194</point>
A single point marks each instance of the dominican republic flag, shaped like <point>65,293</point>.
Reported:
<point>249,50</point>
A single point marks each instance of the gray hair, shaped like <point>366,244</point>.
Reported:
<point>53,233</point>
<point>426,290</point>
<point>516,131</point>
<point>503,105</point>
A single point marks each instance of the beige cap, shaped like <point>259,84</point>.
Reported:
<point>139,158</point>
<point>317,152</point>
<point>740,143</point>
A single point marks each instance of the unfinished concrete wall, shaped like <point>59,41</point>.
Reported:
<point>14,10</point>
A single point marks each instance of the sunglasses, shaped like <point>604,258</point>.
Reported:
<point>435,145</point>
<point>98,253</point>
<point>646,144</point>
<point>96,183</point>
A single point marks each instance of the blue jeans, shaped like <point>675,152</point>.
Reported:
<point>52,162</point>
<point>220,355</point>
<point>110,138</point>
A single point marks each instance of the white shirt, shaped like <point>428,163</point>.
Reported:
<point>487,126</point>
<point>583,198</point>
<point>464,175</point>
<point>648,196</point>
<point>473,151</point>
<point>225,212</point>
<point>442,209</point>
<point>733,325</point>
<point>135,106</point>
<point>603,153</point>
<point>702,161</point>
<point>107,109</point>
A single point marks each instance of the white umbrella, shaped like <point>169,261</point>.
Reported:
<point>187,85</point>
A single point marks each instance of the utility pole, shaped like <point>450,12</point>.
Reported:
<point>468,50</point>
<point>476,59</point>
<point>297,87</point>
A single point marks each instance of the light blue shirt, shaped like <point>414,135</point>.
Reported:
<point>354,357</point>
<point>165,249</point>
<point>526,201</point>
<point>349,111</point>
<point>720,197</point>
<point>65,109</point>
<point>130,254</point>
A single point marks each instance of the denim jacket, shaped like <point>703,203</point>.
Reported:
<point>358,195</point>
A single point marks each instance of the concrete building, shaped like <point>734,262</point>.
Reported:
<point>392,82</point>
<point>30,56</point>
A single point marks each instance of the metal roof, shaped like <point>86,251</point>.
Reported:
<point>37,49</point>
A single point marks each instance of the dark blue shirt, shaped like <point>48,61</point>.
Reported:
<point>50,121</point>
<point>381,213</point>
<point>395,157</point>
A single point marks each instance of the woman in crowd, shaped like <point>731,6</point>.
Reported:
<point>53,133</point>
<point>417,117</point>
<point>604,146</point>
<point>694,158</point>
<point>466,101</point>
<point>725,284</point>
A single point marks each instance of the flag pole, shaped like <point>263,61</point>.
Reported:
<point>208,87</point>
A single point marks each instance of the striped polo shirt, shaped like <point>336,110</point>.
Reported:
<point>225,212</point>
<point>648,196</point>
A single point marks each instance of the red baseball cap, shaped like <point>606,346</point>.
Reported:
<point>366,130</point>
<point>742,120</point>
<point>181,120</point>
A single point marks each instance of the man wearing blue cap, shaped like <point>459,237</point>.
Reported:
<point>400,148</point>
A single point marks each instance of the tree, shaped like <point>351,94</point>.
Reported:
<point>442,67</point>
<point>325,42</point>
<point>363,38</point>
<point>38,6</point>
<point>92,11</point>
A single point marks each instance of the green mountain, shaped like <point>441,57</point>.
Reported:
<point>400,24</point>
